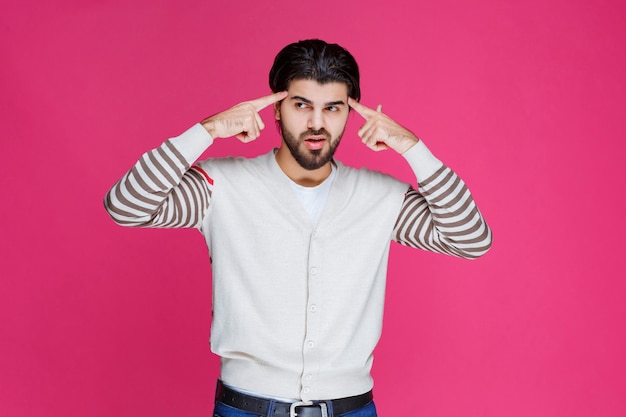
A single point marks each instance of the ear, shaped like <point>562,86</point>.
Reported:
<point>277,110</point>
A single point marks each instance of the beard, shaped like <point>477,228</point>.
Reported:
<point>310,159</point>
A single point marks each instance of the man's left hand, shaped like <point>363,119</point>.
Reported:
<point>380,132</point>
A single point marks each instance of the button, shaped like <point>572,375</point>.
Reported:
<point>311,344</point>
<point>314,236</point>
<point>313,271</point>
<point>313,308</point>
<point>306,390</point>
<point>308,377</point>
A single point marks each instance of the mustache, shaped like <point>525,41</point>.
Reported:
<point>318,132</point>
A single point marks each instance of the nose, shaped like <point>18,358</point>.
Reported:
<point>316,120</point>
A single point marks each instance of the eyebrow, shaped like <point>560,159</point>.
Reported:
<point>330,103</point>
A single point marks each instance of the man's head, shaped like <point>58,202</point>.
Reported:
<point>319,77</point>
<point>316,60</point>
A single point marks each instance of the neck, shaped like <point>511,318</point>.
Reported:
<point>299,175</point>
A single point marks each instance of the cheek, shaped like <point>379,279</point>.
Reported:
<point>338,125</point>
<point>292,118</point>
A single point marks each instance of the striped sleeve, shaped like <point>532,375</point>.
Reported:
<point>161,190</point>
<point>441,216</point>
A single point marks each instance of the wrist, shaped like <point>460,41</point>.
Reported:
<point>407,144</point>
<point>209,125</point>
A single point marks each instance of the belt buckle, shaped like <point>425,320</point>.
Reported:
<point>292,409</point>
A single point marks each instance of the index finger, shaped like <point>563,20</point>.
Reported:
<point>364,111</point>
<point>262,102</point>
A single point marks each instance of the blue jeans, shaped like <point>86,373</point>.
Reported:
<point>223,410</point>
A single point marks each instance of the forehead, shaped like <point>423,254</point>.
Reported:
<point>318,93</point>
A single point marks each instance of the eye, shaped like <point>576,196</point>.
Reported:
<point>332,108</point>
<point>300,105</point>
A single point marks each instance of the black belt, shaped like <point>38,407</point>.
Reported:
<point>261,406</point>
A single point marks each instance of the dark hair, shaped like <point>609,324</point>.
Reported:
<point>314,59</point>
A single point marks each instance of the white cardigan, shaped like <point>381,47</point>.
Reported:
<point>297,308</point>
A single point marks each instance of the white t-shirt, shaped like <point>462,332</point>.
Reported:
<point>314,198</point>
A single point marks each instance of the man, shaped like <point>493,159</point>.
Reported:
<point>298,241</point>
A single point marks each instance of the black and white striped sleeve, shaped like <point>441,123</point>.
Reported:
<point>441,215</point>
<point>162,189</point>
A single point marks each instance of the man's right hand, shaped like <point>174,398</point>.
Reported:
<point>243,120</point>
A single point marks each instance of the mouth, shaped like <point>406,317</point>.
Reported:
<point>315,142</point>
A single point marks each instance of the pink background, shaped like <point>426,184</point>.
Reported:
<point>525,100</point>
